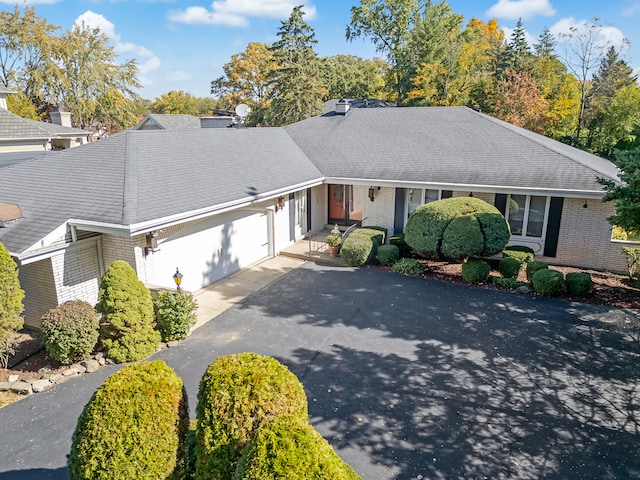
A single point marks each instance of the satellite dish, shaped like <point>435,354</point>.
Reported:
<point>243,110</point>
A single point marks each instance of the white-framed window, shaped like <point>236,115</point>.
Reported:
<point>527,215</point>
<point>420,196</point>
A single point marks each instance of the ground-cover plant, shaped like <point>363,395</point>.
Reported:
<point>578,283</point>
<point>408,266</point>
<point>398,241</point>
<point>521,252</point>
<point>134,426</point>
<point>632,256</point>
<point>533,267</point>
<point>237,394</point>
<point>70,331</point>
<point>475,271</point>
<point>361,245</point>
<point>289,449</point>
<point>388,255</point>
<point>457,228</point>
<point>508,283</point>
<point>176,313</point>
<point>509,267</point>
<point>11,296</point>
<point>547,282</point>
<point>127,326</point>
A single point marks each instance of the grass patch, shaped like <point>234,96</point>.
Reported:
<point>7,398</point>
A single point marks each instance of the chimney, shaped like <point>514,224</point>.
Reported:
<point>61,118</point>
<point>3,98</point>
<point>216,122</point>
<point>342,107</point>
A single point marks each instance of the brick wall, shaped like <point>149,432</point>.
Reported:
<point>118,248</point>
<point>380,212</point>
<point>76,274</point>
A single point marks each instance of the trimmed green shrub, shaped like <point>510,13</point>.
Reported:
<point>533,267</point>
<point>360,246</point>
<point>509,267</point>
<point>462,238</point>
<point>126,330</point>
<point>427,224</point>
<point>134,426</point>
<point>408,266</point>
<point>176,312</point>
<point>475,271</point>
<point>237,394</point>
<point>547,282</point>
<point>508,283</point>
<point>11,306</point>
<point>398,241</point>
<point>496,232</point>
<point>523,253</point>
<point>388,254</point>
<point>70,331</point>
<point>288,449</point>
<point>578,283</point>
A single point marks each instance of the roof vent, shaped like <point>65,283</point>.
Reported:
<point>216,122</point>
<point>342,107</point>
<point>9,213</point>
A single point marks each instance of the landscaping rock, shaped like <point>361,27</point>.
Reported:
<point>173,343</point>
<point>18,387</point>
<point>524,289</point>
<point>41,385</point>
<point>44,370</point>
<point>57,378</point>
<point>90,365</point>
<point>74,370</point>
<point>14,378</point>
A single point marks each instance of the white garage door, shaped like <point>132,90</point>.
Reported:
<point>212,249</point>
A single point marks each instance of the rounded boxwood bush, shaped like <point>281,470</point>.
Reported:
<point>127,330</point>
<point>462,238</point>
<point>408,266</point>
<point>388,255</point>
<point>361,246</point>
<point>578,283</point>
<point>475,271</point>
<point>427,224</point>
<point>286,448</point>
<point>237,394</point>
<point>398,241</point>
<point>533,267</point>
<point>547,282</point>
<point>176,312</point>
<point>70,331</point>
<point>509,267</point>
<point>521,252</point>
<point>134,426</point>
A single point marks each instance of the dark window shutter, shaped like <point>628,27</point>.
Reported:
<point>553,227</point>
<point>308,209</point>
<point>446,194</point>
<point>292,216</point>
<point>399,214</point>
<point>500,203</point>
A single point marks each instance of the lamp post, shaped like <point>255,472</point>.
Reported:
<point>177,277</point>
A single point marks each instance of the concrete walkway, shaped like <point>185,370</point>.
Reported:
<point>223,294</point>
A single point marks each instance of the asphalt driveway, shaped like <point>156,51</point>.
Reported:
<point>408,379</point>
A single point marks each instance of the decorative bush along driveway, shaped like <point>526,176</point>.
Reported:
<point>408,378</point>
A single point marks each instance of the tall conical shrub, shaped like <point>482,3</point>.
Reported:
<point>11,307</point>
<point>127,327</point>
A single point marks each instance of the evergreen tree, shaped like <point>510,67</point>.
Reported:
<point>127,315</point>
<point>296,84</point>
<point>627,194</point>
<point>11,307</point>
<point>517,55</point>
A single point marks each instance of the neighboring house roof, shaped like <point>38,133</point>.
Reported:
<point>150,179</point>
<point>13,127</point>
<point>330,105</point>
<point>161,121</point>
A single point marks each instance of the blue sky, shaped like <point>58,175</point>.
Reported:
<point>182,45</point>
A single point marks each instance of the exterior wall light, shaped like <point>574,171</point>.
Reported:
<point>151,243</point>
<point>177,277</point>
<point>279,203</point>
<point>372,193</point>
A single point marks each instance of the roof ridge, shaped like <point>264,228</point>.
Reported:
<point>537,138</point>
<point>130,172</point>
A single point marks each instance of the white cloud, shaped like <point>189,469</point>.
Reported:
<point>605,35</point>
<point>525,9</point>
<point>631,10</point>
<point>178,76</point>
<point>236,13</point>
<point>95,20</point>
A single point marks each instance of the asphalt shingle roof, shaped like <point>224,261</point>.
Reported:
<point>447,145</point>
<point>171,121</point>
<point>14,127</point>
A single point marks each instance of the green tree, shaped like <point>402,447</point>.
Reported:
<point>626,194</point>
<point>175,102</point>
<point>516,56</point>
<point>127,315</point>
<point>11,296</point>
<point>388,23</point>
<point>347,76</point>
<point>20,104</point>
<point>246,78</point>
<point>89,82</point>
<point>296,84</point>
<point>521,103</point>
